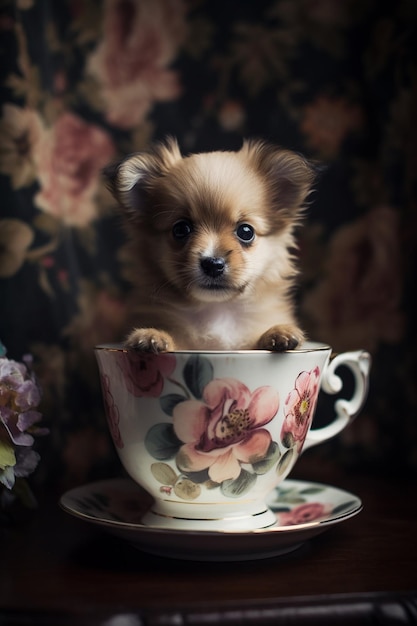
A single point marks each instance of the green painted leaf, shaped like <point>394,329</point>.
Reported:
<point>312,490</point>
<point>164,473</point>
<point>344,507</point>
<point>88,503</point>
<point>234,488</point>
<point>101,500</point>
<point>187,489</point>
<point>294,500</point>
<point>285,461</point>
<point>170,401</point>
<point>161,442</point>
<point>279,508</point>
<point>198,372</point>
<point>198,477</point>
<point>290,496</point>
<point>288,440</point>
<point>271,457</point>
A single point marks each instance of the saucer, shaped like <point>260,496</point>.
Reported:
<point>303,510</point>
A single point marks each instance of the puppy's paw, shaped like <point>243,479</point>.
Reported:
<point>150,340</point>
<point>280,338</point>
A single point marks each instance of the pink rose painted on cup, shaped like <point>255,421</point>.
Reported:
<point>144,374</point>
<point>299,408</point>
<point>225,429</point>
<point>112,412</point>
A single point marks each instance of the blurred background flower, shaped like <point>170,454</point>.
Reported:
<point>19,425</point>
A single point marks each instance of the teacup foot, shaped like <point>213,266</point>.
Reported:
<point>264,518</point>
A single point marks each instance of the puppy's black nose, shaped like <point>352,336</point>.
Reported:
<point>213,266</point>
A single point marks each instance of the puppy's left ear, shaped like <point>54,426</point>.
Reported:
<point>131,179</point>
<point>289,175</point>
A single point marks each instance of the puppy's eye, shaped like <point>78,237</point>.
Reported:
<point>246,233</point>
<point>182,229</point>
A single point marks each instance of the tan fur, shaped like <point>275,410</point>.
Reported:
<point>182,302</point>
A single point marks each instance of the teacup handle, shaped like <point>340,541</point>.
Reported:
<point>359,363</point>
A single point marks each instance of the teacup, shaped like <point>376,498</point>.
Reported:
<point>210,434</point>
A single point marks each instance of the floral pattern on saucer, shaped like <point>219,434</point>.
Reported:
<point>298,503</point>
<point>303,509</point>
<point>295,503</point>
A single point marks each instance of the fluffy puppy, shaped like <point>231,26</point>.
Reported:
<point>213,234</point>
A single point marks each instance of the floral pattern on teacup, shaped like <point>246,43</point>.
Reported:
<point>299,408</point>
<point>217,435</point>
<point>224,429</point>
<point>143,374</point>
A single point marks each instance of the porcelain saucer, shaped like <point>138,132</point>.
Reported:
<point>303,510</point>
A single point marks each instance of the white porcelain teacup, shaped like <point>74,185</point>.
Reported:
<point>210,434</point>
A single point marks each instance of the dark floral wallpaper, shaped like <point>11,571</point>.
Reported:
<point>84,81</point>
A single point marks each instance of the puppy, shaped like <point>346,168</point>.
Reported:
<point>213,235</point>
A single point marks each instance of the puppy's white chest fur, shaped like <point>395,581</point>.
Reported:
<point>218,327</point>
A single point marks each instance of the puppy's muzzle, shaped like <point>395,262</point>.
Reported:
<point>213,266</point>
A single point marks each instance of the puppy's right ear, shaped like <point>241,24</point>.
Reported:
<point>131,179</point>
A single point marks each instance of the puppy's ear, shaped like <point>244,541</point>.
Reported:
<point>131,179</point>
<point>288,175</point>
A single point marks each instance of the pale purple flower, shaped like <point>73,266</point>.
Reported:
<point>19,418</point>
<point>26,462</point>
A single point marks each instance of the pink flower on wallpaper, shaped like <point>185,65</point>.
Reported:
<point>299,407</point>
<point>144,374</point>
<point>112,412</point>
<point>303,514</point>
<point>357,300</point>
<point>327,122</point>
<point>69,159</point>
<point>140,41</point>
<point>225,429</point>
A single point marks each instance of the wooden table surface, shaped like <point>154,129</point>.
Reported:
<point>57,569</point>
